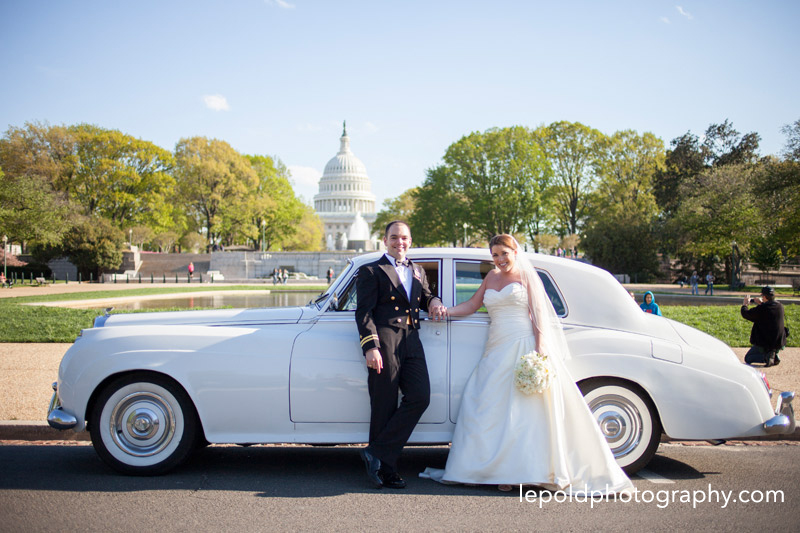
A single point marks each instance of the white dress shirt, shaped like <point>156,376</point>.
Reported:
<point>404,273</point>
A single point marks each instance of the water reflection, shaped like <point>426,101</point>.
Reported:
<point>211,300</point>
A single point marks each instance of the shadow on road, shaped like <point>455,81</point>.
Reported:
<point>268,471</point>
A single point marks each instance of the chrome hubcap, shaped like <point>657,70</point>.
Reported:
<point>620,422</point>
<point>142,424</point>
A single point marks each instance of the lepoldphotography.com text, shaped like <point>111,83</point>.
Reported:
<point>662,498</point>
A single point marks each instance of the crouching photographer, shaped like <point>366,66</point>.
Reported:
<point>769,332</point>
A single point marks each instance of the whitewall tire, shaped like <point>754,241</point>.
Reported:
<point>143,424</point>
<point>627,418</point>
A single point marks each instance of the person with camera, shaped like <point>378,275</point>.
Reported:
<point>768,335</point>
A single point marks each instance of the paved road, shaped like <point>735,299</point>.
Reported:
<point>63,488</point>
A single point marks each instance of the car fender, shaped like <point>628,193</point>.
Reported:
<point>240,401</point>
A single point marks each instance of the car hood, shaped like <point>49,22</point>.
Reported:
<point>217,317</point>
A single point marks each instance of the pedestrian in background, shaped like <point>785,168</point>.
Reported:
<point>649,304</point>
<point>769,332</point>
<point>191,270</point>
<point>694,279</point>
<point>710,283</point>
<point>329,275</point>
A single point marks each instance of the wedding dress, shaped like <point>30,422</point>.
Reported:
<point>506,437</point>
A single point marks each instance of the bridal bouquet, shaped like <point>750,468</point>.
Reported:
<point>532,373</point>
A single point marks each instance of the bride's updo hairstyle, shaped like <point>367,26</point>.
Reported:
<point>503,239</point>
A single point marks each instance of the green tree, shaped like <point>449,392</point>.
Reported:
<point>766,255</point>
<point>498,175</point>
<point>683,162</point>
<point>119,177</point>
<point>400,208</point>
<point>440,210</point>
<point>723,145</point>
<point>165,241</point>
<point>39,151</point>
<point>307,236</point>
<point>777,192</point>
<point>30,211</point>
<point>92,244</point>
<point>621,234</point>
<point>141,235</point>
<point>32,159</point>
<point>192,243</point>
<point>614,244</point>
<point>274,204</point>
<point>210,175</point>
<point>791,151</point>
<point>574,151</point>
<point>719,207</point>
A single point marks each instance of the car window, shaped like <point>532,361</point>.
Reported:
<point>347,297</point>
<point>470,274</point>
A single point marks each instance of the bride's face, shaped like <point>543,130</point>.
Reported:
<point>504,257</point>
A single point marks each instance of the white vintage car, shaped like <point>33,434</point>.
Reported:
<point>151,387</point>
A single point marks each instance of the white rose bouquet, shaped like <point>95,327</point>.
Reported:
<point>532,374</point>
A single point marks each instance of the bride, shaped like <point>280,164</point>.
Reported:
<point>504,436</point>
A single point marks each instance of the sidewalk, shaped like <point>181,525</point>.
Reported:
<point>28,370</point>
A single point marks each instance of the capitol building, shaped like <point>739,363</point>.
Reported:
<point>345,203</point>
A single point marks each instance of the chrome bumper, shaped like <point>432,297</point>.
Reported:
<point>57,417</point>
<point>783,422</point>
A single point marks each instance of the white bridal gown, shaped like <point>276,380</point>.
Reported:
<point>506,437</point>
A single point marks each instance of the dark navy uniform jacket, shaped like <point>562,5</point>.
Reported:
<point>382,301</point>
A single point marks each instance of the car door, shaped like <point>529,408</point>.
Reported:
<point>468,334</point>
<point>328,377</point>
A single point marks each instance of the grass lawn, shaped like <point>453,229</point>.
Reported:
<point>726,323</point>
<point>26,323</point>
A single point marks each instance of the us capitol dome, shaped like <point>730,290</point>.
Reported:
<point>345,202</point>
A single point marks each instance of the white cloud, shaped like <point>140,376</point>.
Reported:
<point>304,175</point>
<point>665,20</point>
<point>370,127</point>
<point>684,13</point>
<point>217,102</point>
<point>283,4</point>
<point>306,181</point>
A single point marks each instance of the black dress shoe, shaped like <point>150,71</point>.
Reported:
<point>373,465</point>
<point>393,481</point>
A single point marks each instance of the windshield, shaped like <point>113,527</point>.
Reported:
<point>317,302</point>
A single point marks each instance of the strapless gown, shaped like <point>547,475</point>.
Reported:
<point>503,436</point>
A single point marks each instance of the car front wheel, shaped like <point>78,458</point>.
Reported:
<point>143,424</point>
<point>627,418</point>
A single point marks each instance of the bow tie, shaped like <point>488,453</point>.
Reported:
<point>404,263</point>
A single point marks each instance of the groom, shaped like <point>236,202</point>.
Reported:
<point>390,293</point>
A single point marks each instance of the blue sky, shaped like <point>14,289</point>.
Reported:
<point>277,77</point>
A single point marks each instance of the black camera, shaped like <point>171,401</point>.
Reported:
<point>753,300</point>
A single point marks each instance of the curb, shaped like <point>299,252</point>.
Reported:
<point>36,430</point>
<point>33,430</point>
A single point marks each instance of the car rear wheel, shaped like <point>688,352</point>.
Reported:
<point>143,424</point>
<point>627,418</point>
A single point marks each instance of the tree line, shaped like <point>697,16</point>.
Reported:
<point>624,199</point>
<point>82,191</point>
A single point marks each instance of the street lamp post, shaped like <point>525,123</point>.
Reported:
<point>263,228</point>
<point>130,237</point>
<point>465,234</point>
<point>5,255</point>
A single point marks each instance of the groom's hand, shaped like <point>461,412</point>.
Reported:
<point>437,311</point>
<point>374,360</point>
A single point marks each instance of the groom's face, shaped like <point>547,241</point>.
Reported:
<point>397,241</point>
